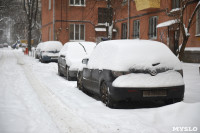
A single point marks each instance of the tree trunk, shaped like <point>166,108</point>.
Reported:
<point>29,35</point>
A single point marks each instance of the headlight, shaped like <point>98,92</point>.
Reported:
<point>180,71</point>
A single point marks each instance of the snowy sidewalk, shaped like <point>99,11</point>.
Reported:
<point>73,111</point>
<point>20,109</point>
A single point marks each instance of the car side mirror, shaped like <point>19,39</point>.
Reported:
<point>85,61</point>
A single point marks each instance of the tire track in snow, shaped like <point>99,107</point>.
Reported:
<point>65,119</point>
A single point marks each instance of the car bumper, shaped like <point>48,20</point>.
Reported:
<point>146,94</point>
<point>49,59</point>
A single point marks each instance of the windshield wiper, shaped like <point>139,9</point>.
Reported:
<point>83,47</point>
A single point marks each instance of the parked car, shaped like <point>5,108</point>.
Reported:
<point>132,70</point>
<point>38,50</point>
<point>1,45</point>
<point>5,45</point>
<point>71,56</point>
<point>49,51</point>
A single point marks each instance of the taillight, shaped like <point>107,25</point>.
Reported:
<point>117,73</point>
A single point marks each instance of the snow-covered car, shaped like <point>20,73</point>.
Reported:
<point>5,45</point>
<point>132,70</point>
<point>38,50</point>
<point>49,51</point>
<point>71,56</point>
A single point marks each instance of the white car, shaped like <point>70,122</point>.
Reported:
<point>50,50</point>
<point>71,56</point>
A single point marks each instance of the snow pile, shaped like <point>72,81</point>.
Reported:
<point>75,52</point>
<point>175,9</point>
<point>51,46</point>
<point>123,55</point>
<point>165,79</point>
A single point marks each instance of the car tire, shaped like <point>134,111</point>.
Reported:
<point>67,76</point>
<point>105,96</point>
<point>79,81</point>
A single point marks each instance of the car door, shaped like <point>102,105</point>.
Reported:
<point>87,78</point>
<point>95,80</point>
<point>62,63</point>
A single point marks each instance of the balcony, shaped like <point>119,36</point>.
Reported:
<point>147,4</point>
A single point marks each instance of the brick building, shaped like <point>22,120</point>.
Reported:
<point>74,20</point>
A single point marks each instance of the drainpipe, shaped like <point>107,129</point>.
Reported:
<point>128,27</point>
<point>53,19</point>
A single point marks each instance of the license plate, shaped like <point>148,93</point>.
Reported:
<point>155,93</point>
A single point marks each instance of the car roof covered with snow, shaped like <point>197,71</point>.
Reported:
<point>51,46</point>
<point>123,55</point>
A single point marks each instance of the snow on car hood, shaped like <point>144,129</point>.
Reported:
<point>123,55</point>
<point>166,79</point>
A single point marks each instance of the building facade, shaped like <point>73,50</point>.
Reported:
<point>86,20</point>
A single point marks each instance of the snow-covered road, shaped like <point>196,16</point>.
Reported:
<point>34,99</point>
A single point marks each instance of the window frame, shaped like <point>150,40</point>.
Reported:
<point>74,3</point>
<point>124,34</point>
<point>175,4</point>
<point>137,30</point>
<point>198,23</point>
<point>79,32</point>
<point>152,27</point>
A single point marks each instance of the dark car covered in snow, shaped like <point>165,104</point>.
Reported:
<point>132,70</point>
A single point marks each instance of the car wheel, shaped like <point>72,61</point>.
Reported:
<point>79,81</point>
<point>67,76</point>
<point>105,96</point>
<point>59,73</point>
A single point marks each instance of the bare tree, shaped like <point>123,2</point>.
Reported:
<point>31,9</point>
<point>183,29</point>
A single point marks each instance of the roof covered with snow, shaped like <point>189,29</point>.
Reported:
<point>123,55</point>
<point>167,23</point>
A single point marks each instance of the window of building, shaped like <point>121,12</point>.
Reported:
<point>77,32</point>
<point>198,23</point>
<point>124,31</point>
<point>152,27</point>
<point>103,15</point>
<point>49,4</point>
<point>77,2</point>
<point>175,4</point>
<point>136,29</point>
